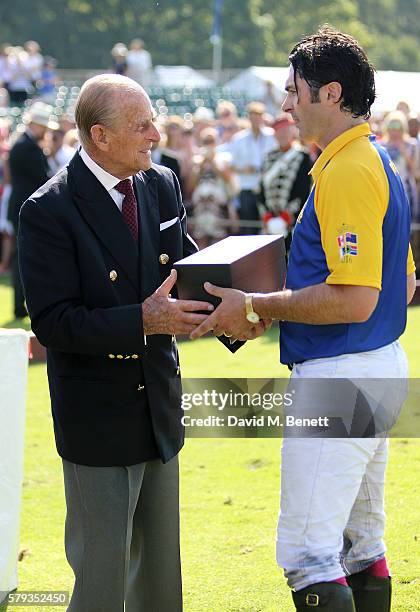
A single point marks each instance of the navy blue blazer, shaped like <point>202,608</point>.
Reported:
<point>28,171</point>
<point>115,395</point>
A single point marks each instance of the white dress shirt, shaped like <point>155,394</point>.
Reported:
<point>139,66</point>
<point>107,180</point>
<point>246,150</point>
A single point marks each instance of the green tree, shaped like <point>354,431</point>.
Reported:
<point>80,33</point>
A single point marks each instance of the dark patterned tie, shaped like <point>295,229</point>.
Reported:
<point>129,206</point>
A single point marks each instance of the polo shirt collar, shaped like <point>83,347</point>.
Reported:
<point>336,145</point>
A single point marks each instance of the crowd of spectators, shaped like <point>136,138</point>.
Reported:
<point>29,155</point>
<point>237,174</point>
<point>250,174</point>
<point>25,72</point>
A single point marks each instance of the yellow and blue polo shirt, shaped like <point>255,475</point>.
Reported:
<point>353,230</point>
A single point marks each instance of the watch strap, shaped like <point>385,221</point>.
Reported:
<point>248,303</point>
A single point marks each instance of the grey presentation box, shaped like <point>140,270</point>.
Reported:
<point>254,264</point>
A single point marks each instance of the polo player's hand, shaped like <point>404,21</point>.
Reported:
<point>229,318</point>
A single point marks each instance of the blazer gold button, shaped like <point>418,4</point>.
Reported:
<point>178,371</point>
<point>164,258</point>
<point>113,275</point>
<point>134,356</point>
<point>111,356</point>
<point>120,357</point>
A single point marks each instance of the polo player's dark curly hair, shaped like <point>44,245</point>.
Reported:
<point>330,55</point>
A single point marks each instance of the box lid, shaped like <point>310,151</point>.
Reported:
<point>229,249</point>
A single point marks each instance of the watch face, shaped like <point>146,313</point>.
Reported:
<point>253,317</point>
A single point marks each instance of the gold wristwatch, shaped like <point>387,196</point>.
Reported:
<point>251,315</point>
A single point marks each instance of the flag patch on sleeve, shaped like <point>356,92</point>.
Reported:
<point>347,244</point>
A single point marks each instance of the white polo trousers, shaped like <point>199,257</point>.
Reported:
<point>332,515</point>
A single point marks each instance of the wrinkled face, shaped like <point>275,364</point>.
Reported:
<point>129,141</point>
<point>309,116</point>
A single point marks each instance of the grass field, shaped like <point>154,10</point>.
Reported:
<point>229,495</point>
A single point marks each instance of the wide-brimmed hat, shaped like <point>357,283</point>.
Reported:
<point>41,114</point>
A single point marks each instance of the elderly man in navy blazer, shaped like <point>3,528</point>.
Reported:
<point>96,246</point>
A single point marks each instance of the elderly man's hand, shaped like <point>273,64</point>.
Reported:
<point>229,318</point>
<point>165,315</point>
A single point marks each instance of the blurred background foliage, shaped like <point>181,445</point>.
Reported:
<point>80,33</point>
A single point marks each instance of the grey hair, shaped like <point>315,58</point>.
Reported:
<point>97,102</point>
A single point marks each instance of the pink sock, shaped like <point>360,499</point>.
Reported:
<point>379,568</point>
<point>342,581</point>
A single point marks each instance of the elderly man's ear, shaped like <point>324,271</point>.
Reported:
<point>99,136</point>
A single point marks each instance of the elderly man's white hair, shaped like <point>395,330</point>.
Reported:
<point>99,102</point>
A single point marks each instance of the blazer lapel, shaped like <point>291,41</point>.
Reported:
<point>101,213</point>
<point>149,219</point>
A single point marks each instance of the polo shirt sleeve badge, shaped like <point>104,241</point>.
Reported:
<point>348,246</point>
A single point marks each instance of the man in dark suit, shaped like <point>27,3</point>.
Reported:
<point>96,245</point>
<point>163,157</point>
<point>28,171</point>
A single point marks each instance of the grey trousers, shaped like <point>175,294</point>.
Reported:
<point>122,537</point>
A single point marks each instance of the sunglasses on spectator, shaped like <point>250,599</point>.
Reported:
<point>395,125</point>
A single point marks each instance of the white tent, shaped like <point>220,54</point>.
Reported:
<point>181,76</point>
<point>253,79</point>
<point>391,86</point>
